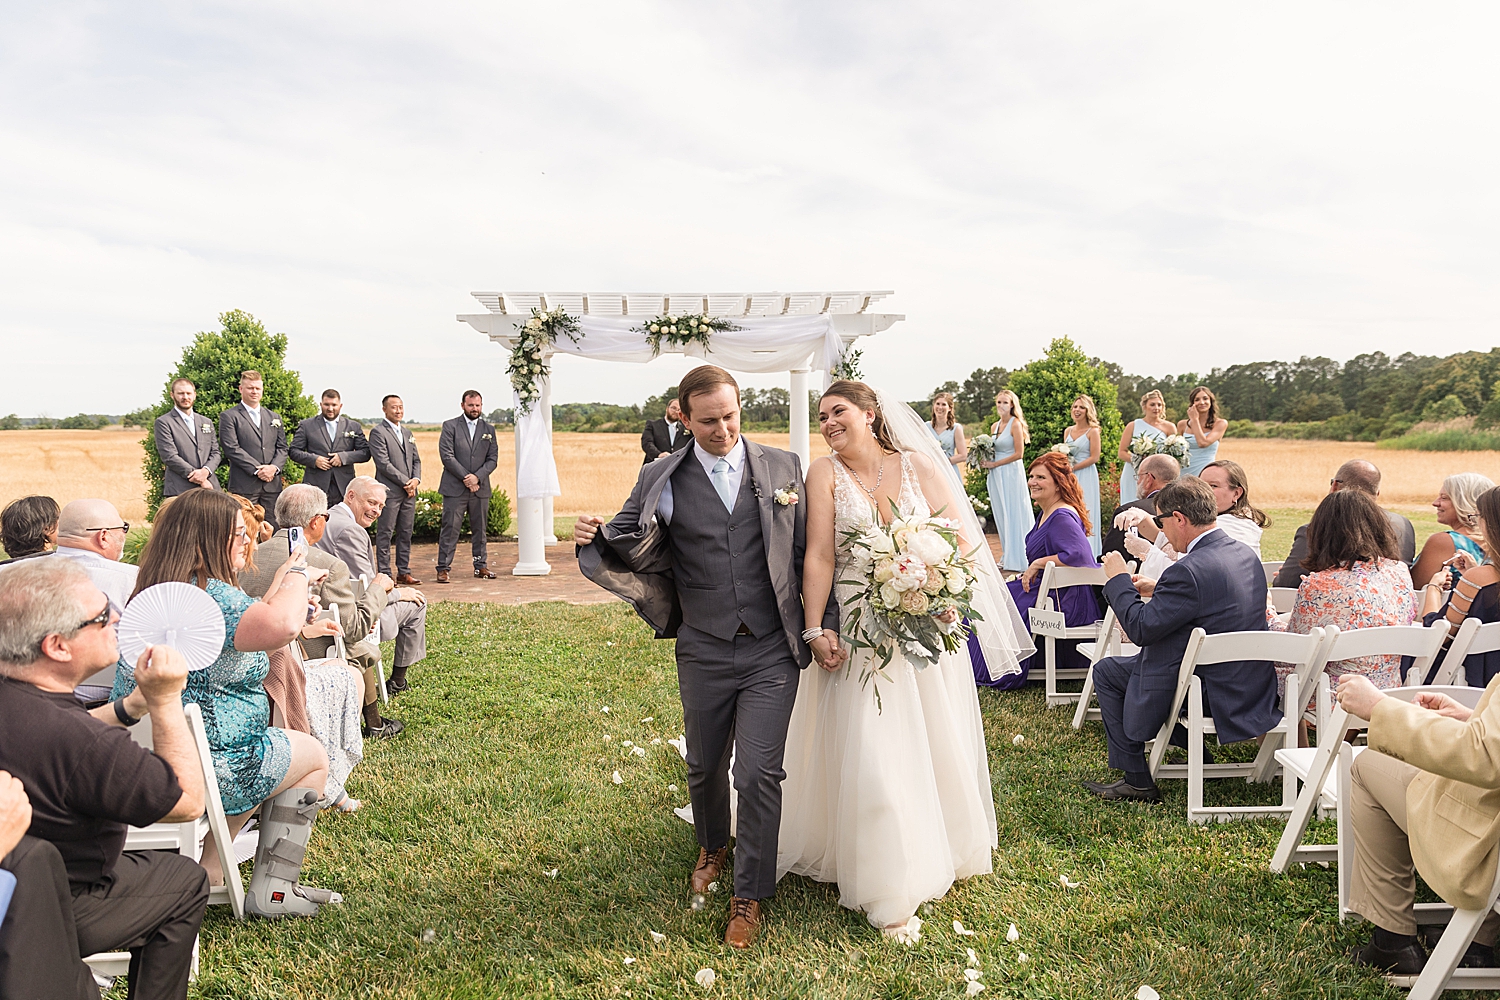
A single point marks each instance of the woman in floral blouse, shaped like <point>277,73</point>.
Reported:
<point>1357,580</point>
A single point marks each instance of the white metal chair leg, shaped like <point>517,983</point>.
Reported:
<point>1195,753</point>
<point>1345,819</point>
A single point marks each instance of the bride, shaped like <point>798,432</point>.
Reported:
<point>891,801</point>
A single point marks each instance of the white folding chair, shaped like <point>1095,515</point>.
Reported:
<point>1441,971</point>
<point>1056,577</point>
<point>1202,650</point>
<point>374,640</point>
<point>1270,569</point>
<point>1283,599</point>
<point>1107,642</point>
<point>1472,637</point>
<point>1312,765</point>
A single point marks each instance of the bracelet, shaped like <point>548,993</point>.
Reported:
<point>298,569</point>
<point>809,634</point>
<point>124,716</point>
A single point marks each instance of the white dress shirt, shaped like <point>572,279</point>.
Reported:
<point>1200,538</point>
<point>736,460</point>
<point>116,579</point>
<point>254,412</point>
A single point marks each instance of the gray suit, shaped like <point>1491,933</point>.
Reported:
<point>462,456</point>
<point>184,452</point>
<point>311,443</point>
<point>728,586</point>
<point>396,461</point>
<point>404,621</point>
<point>1292,573</point>
<point>247,446</point>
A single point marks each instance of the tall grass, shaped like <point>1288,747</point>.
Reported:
<point>1452,439</point>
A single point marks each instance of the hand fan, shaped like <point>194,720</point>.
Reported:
<point>173,614</point>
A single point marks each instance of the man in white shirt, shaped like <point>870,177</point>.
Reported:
<point>92,533</point>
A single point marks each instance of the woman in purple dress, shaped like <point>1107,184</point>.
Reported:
<point>1061,536</point>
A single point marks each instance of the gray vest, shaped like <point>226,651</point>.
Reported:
<point>719,558</point>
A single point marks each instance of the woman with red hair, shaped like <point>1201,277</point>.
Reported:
<point>1061,536</point>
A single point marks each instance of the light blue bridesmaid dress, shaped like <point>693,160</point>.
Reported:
<point>1010,503</point>
<point>1199,458</point>
<point>1088,480</point>
<point>950,446</point>
<point>1127,474</point>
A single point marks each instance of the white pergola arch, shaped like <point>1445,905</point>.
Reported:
<point>848,318</point>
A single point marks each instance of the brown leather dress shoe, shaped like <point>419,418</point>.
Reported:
<point>407,580</point>
<point>744,922</point>
<point>442,576</point>
<point>483,573</point>
<point>710,865</point>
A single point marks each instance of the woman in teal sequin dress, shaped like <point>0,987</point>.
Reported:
<point>1005,477</point>
<point>1152,423</point>
<point>1082,440</point>
<point>200,538</point>
<point>1203,428</point>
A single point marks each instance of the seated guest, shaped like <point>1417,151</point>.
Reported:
<point>1422,803</point>
<point>335,690</point>
<point>200,539</point>
<point>87,781</point>
<point>1355,579</point>
<point>1218,586</point>
<point>1457,510</point>
<point>92,533</point>
<point>1239,519</point>
<point>405,616</point>
<point>1154,472</point>
<point>285,682</point>
<point>1475,593</point>
<point>1356,474</point>
<point>28,527</point>
<point>1061,536</point>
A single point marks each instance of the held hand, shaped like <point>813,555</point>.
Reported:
<point>197,476</point>
<point>265,473</point>
<point>471,481</point>
<point>322,627</point>
<point>1357,695</point>
<point>1114,564</point>
<point>585,528</point>
<point>1444,706</point>
<point>15,812</point>
<point>161,674</point>
<point>411,487</point>
<point>826,650</point>
<point>948,617</point>
<point>324,463</point>
<point>384,582</point>
<point>335,460</point>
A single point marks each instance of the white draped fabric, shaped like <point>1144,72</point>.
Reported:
<point>763,344</point>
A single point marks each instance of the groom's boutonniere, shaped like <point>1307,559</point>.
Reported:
<point>486,437</point>
<point>276,423</point>
<point>787,495</point>
<point>348,434</point>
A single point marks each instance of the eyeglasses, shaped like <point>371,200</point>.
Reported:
<point>102,618</point>
<point>1160,519</point>
<point>316,516</point>
<point>1335,482</point>
<point>122,526</point>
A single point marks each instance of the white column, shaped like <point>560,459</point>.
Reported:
<point>549,536</point>
<point>799,416</point>
<point>532,559</point>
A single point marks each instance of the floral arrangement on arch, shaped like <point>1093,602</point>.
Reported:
<point>528,357</point>
<point>680,331</point>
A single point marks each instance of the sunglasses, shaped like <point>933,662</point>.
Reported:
<point>1160,519</point>
<point>123,526</point>
<point>102,618</point>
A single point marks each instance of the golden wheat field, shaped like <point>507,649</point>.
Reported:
<point>597,470</point>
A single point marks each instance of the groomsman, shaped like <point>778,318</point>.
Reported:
<point>398,468</point>
<point>469,453</point>
<point>328,446</point>
<point>254,442</point>
<point>187,444</point>
<point>663,436</point>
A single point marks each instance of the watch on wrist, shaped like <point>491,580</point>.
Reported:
<point>126,719</point>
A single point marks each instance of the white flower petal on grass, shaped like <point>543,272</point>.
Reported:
<point>705,978</point>
<point>972,974</point>
<point>973,958</point>
<point>974,988</point>
<point>1021,957</point>
<point>657,937</point>
<point>649,718</point>
<point>656,742</point>
<point>1147,993</point>
<point>1067,883</point>
<point>713,887</point>
<point>959,928</point>
<point>626,743</point>
<point>551,874</point>
<point>607,737</point>
<point>671,788</point>
<point>1018,739</point>
<point>638,751</point>
<point>605,709</point>
<point>1013,935</point>
<point>627,960</point>
<point>680,745</point>
<point>609,644</point>
<point>617,779</point>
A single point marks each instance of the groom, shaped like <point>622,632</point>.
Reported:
<point>703,552</point>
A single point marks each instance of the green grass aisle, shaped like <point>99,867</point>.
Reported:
<point>504,774</point>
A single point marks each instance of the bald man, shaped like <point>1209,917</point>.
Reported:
<point>1355,474</point>
<point>92,533</point>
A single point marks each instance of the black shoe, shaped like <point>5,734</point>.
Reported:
<point>1404,960</point>
<point>394,687</point>
<point>384,731</point>
<point>1478,957</point>
<point>1123,791</point>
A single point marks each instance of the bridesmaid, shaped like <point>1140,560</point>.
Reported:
<point>1153,422</point>
<point>1203,428</point>
<point>1010,502</point>
<point>950,436</point>
<point>1061,536</point>
<point>1082,440</point>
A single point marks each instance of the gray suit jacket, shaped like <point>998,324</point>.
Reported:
<point>1291,572</point>
<point>631,556</point>
<point>184,452</point>
<point>247,446</point>
<point>346,541</point>
<point>358,614</point>
<point>657,438</point>
<point>393,465</point>
<point>461,457</point>
<point>310,443</point>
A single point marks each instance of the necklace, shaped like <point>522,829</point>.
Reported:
<point>878,476</point>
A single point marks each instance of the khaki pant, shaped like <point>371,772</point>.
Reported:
<point>1383,882</point>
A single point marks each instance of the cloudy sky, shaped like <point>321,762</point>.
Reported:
<point>1175,186</point>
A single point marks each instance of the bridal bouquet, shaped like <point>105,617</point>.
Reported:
<point>981,449</point>
<point>910,571</point>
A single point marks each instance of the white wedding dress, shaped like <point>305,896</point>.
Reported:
<point>891,802</point>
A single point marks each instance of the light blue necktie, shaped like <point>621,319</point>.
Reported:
<point>720,477</point>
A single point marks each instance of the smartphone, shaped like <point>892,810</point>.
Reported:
<point>293,539</point>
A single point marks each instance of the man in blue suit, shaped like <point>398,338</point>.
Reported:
<point>1217,585</point>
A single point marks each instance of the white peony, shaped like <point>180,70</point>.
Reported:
<point>884,570</point>
<point>957,581</point>
<point>655,328</point>
<point>880,543</point>
<point>930,547</point>
<point>889,595</point>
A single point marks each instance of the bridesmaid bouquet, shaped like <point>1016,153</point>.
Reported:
<point>1062,448</point>
<point>911,571</point>
<point>981,449</point>
<point>1176,445</point>
<point>1140,446</point>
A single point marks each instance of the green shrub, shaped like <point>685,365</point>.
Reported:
<point>134,543</point>
<point>10,422</point>
<point>143,417</point>
<point>1047,388</point>
<point>1453,439</point>
<point>1450,407</point>
<point>427,520</point>
<point>83,422</point>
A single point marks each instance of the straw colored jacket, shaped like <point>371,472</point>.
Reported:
<point>1453,806</point>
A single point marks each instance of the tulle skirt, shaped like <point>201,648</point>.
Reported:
<point>893,802</point>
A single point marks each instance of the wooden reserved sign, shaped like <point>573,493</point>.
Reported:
<point>1047,623</point>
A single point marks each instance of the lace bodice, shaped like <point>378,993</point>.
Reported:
<point>853,510</point>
